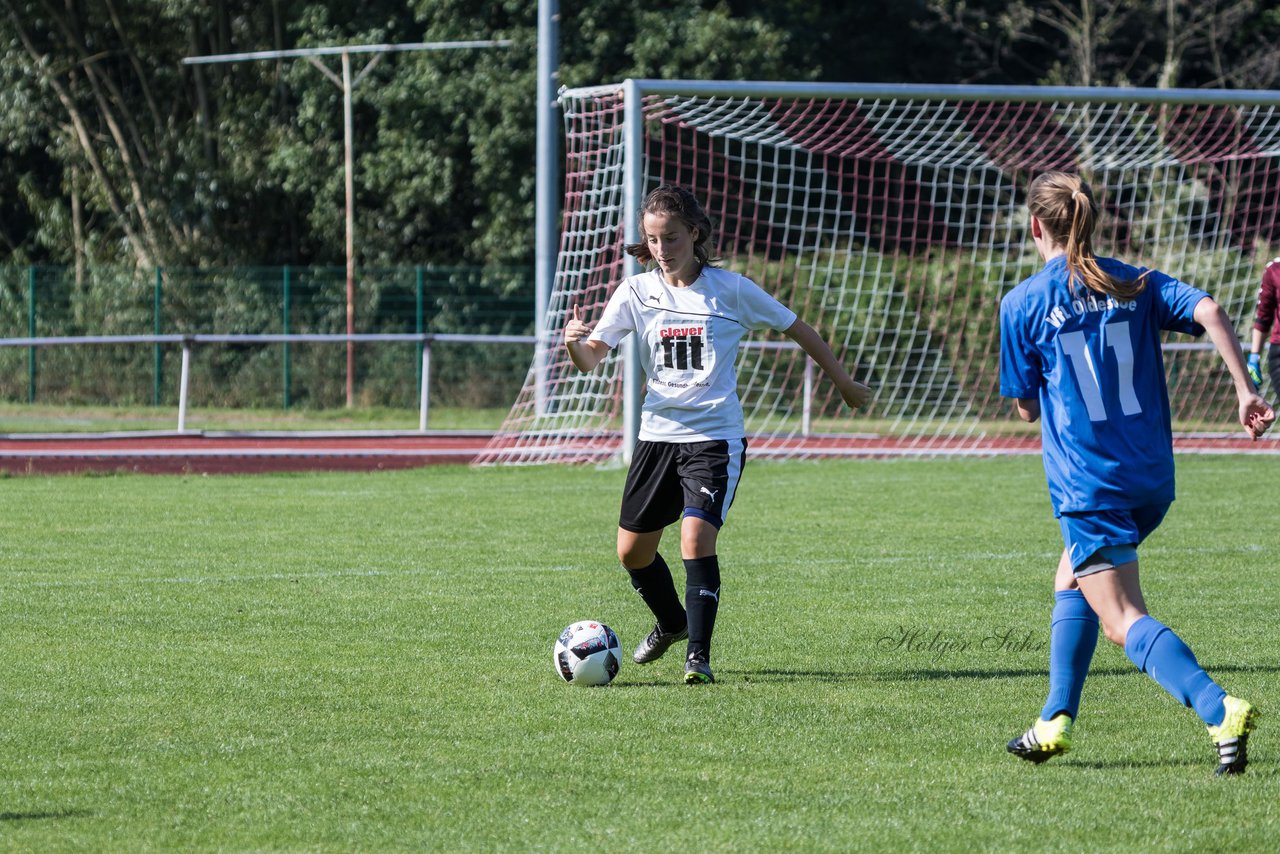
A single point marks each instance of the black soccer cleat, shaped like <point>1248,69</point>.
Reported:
<point>697,671</point>
<point>657,643</point>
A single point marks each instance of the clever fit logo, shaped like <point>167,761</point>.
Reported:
<point>682,347</point>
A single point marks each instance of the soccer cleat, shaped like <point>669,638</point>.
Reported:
<point>1232,735</point>
<point>697,671</point>
<point>657,643</point>
<point>1045,740</point>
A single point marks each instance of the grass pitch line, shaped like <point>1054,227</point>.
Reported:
<point>17,584</point>
<point>1031,558</point>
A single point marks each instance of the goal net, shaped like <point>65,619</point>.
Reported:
<point>892,219</point>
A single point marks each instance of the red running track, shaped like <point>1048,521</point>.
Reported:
<point>197,453</point>
<point>229,453</point>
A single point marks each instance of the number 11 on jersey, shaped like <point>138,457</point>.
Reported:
<point>1091,381</point>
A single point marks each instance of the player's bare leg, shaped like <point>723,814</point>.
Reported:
<point>1156,650</point>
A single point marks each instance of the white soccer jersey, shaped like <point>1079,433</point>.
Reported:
<point>688,346</point>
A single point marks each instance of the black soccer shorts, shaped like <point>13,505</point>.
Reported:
<point>670,479</point>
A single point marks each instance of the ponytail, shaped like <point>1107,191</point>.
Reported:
<point>1065,206</point>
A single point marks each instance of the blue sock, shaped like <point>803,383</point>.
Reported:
<point>1162,655</point>
<point>1072,639</point>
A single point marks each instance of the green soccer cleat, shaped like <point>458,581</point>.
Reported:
<point>697,671</point>
<point>1045,740</point>
<point>1232,735</point>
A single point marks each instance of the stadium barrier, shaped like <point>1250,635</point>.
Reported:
<point>55,301</point>
<point>426,340</point>
<point>188,342</point>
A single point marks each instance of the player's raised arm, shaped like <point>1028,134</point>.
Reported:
<point>1256,416</point>
<point>584,353</point>
<point>855,394</point>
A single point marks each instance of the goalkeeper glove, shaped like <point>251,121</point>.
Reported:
<point>1255,369</point>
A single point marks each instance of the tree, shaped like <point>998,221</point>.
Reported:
<point>124,158</point>
<point>1199,37</point>
<point>116,152</point>
<point>1163,43</point>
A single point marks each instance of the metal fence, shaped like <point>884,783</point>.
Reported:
<point>425,343</point>
<point>456,302</point>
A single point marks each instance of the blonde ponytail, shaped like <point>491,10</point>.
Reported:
<point>1066,209</point>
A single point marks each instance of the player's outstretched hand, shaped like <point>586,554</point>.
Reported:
<point>576,329</point>
<point>1256,415</point>
<point>855,394</point>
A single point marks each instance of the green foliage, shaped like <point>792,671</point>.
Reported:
<point>117,153</point>
<point>123,154</point>
<point>125,301</point>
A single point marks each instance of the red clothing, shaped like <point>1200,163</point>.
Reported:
<point>1268,316</point>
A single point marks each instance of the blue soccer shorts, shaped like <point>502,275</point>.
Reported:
<point>1104,539</point>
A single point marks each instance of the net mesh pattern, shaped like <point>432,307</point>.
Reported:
<point>894,226</point>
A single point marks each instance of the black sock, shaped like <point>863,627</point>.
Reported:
<point>658,591</point>
<point>701,599</point>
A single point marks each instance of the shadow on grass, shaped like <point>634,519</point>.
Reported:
<point>44,816</point>
<point>774,674</point>
<point>1122,764</point>
<point>771,674</point>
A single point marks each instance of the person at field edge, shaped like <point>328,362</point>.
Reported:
<point>1080,349</point>
<point>690,316</point>
<point>1267,319</point>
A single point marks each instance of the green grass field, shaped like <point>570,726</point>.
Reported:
<point>363,662</point>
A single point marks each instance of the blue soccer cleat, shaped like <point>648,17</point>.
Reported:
<point>697,671</point>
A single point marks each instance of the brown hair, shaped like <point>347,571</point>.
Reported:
<point>684,206</point>
<point>1065,206</point>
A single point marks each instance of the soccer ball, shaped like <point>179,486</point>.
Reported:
<point>587,653</point>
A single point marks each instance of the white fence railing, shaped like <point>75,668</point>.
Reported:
<point>426,339</point>
<point>189,341</point>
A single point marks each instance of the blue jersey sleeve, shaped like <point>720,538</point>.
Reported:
<point>1175,303</point>
<point>1020,369</point>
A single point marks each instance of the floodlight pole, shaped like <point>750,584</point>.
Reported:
<point>348,164</point>
<point>346,84</point>
<point>548,192</point>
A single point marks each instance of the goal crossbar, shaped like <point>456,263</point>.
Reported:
<point>758,89</point>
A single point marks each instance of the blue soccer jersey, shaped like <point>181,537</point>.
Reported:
<point>1094,363</point>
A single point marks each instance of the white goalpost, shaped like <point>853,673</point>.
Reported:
<point>892,219</point>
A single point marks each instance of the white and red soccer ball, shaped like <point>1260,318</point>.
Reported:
<point>587,653</point>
